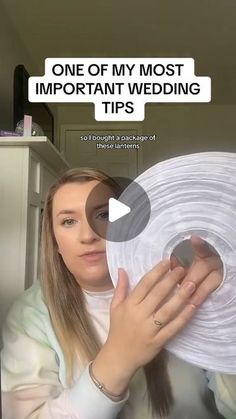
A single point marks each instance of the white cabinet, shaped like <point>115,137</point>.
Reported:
<point>28,166</point>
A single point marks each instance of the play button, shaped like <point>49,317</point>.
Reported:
<point>118,209</point>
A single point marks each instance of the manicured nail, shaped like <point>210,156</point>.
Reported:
<point>189,287</point>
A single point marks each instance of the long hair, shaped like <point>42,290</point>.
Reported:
<point>65,301</point>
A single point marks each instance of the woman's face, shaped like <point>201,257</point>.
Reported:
<point>81,248</point>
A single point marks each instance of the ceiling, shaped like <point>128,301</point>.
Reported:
<point>203,29</point>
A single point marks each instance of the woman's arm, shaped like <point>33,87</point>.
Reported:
<point>83,400</point>
<point>31,387</point>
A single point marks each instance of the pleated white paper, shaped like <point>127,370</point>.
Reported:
<point>192,194</point>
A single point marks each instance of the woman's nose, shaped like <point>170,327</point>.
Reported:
<point>86,233</point>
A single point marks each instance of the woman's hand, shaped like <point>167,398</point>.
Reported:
<point>143,321</point>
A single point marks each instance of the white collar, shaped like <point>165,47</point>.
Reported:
<point>98,299</point>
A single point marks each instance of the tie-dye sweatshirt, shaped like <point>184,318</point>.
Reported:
<point>34,374</point>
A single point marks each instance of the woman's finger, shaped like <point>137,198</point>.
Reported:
<point>146,284</point>
<point>211,283</point>
<point>162,290</point>
<point>200,269</point>
<point>175,325</point>
<point>172,308</point>
<point>121,289</point>
<point>200,247</point>
<point>176,313</point>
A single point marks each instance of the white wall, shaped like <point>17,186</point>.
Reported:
<point>181,129</point>
<point>190,128</point>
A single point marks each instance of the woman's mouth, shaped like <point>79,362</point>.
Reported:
<point>92,256</point>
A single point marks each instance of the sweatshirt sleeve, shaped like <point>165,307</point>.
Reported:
<point>31,387</point>
<point>224,388</point>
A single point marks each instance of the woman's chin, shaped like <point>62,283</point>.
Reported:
<point>95,277</point>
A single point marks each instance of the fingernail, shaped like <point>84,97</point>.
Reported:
<point>189,287</point>
<point>165,263</point>
<point>196,300</point>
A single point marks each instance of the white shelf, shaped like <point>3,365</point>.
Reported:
<point>42,146</point>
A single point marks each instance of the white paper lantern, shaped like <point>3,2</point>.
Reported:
<point>190,195</point>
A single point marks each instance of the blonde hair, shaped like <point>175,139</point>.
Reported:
<point>65,301</point>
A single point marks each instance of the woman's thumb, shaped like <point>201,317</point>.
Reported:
<point>121,289</point>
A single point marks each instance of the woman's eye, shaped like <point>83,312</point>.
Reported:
<point>103,215</point>
<point>68,222</point>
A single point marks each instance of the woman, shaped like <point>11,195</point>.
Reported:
<point>76,348</point>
